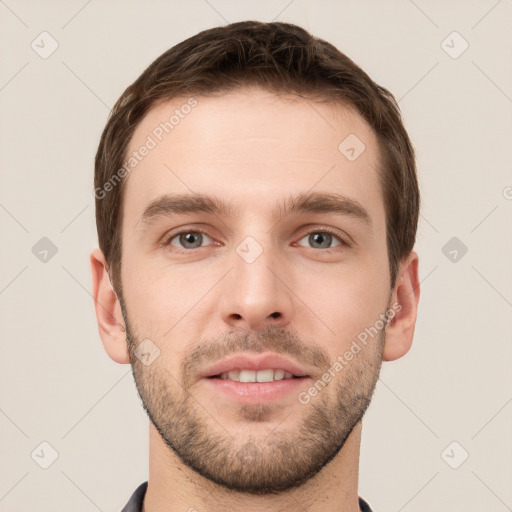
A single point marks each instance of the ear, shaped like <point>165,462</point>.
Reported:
<point>406,294</point>
<point>108,310</point>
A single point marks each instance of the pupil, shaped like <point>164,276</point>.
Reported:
<point>319,238</point>
<point>188,238</point>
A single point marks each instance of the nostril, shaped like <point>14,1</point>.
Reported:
<point>275,315</point>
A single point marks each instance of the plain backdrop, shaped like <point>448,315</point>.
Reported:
<point>449,398</point>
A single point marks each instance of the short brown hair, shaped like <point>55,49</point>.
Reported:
<point>279,57</point>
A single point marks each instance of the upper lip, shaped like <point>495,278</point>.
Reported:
<point>254,362</point>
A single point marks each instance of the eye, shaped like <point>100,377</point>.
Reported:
<point>188,239</point>
<point>323,239</point>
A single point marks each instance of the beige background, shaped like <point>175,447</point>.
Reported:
<point>58,385</point>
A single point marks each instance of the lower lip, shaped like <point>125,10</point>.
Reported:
<point>256,392</point>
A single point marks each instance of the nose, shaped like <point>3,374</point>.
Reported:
<point>257,294</point>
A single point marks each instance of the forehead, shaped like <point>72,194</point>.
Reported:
<point>252,148</point>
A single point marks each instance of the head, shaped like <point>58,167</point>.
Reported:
<point>256,193</point>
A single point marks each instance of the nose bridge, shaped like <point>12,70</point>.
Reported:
<point>255,294</point>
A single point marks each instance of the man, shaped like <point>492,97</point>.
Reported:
<point>256,206</point>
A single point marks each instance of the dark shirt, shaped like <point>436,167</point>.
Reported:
<point>135,503</point>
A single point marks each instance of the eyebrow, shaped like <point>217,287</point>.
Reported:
<point>308,202</point>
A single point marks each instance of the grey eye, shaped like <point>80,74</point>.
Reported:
<point>189,239</point>
<point>321,240</point>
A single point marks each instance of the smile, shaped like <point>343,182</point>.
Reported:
<point>267,375</point>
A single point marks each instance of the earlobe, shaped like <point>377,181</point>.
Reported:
<point>404,302</point>
<point>108,310</point>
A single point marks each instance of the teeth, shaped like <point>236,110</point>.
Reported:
<point>268,375</point>
<point>265,376</point>
<point>247,376</point>
<point>234,375</point>
<point>278,374</point>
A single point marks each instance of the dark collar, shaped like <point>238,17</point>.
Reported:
<point>135,503</point>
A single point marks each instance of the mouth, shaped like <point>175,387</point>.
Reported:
<point>266,375</point>
<point>255,378</point>
<point>246,367</point>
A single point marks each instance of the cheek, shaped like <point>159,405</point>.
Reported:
<point>168,302</point>
<point>149,295</point>
<point>345,302</point>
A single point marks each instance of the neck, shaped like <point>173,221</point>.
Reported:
<point>173,486</point>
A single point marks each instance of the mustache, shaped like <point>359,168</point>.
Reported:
<point>269,339</point>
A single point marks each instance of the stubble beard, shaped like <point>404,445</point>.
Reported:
<point>276,460</point>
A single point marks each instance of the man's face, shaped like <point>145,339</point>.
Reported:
<point>206,287</point>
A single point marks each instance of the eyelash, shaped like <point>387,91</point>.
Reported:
<point>343,242</point>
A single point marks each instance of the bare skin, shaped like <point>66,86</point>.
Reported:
<point>255,150</point>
